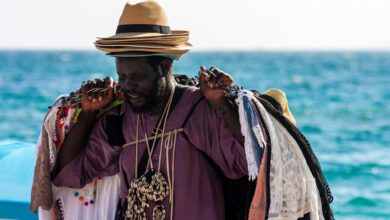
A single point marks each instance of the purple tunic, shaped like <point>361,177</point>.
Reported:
<point>198,192</point>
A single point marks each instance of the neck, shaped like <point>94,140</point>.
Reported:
<point>159,108</point>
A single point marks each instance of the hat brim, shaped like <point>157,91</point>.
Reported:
<point>160,39</point>
<point>142,42</point>
<point>158,46</point>
<point>172,50</point>
<point>143,54</point>
<point>176,33</point>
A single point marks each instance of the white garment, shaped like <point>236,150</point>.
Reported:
<point>293,190</point>
<point>107,188</point>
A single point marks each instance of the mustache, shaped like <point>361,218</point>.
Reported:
<point>128,93</point>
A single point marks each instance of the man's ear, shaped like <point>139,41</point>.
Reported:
<point>166,66</point>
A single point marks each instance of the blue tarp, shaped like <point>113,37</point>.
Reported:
<point>16,173</point>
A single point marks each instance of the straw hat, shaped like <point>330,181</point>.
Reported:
<point>144,29</point>
<point>281,98</point>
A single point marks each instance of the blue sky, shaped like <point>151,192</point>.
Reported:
<point>214,24</point>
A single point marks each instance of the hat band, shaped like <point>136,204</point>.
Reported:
<point>143,28</point>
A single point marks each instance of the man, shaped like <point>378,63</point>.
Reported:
<point>203,137</point>
<point>177,148</point>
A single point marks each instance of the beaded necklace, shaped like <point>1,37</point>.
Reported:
<point>151,185</point>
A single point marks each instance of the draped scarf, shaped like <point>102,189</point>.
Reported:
<point>53,202</point>
<point>292,190</point>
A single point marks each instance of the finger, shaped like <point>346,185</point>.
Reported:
<point>223,79</point>
<point>93,91</point>
<point>110,91</point>
<point>117,89</point>
<point>99,89</point>
<point>203,78</point>
<point>217,72</point>
<point>72,96</point>
<point>83,87</point>
<point>209,78</point>
<point>86,87</point>
<point>108,83</point>
<point>203,73</point>
<point>213,71</point>
<point>91,88</point>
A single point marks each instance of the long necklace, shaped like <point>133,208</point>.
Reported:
<point>151,185</point>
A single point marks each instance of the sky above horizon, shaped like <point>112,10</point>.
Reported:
<point>213,24</point>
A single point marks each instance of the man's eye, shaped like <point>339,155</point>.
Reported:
<point>138,78</point>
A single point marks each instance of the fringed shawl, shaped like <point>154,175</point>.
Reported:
<point>295,181</point>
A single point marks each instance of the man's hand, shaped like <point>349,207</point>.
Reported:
<point>97,93</point>
<point>213,82</point>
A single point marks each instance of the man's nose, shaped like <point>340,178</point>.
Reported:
<point>131,84</point>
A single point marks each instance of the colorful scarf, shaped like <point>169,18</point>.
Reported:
<point>62,202</point>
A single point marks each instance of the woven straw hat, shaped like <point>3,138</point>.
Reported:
<point>281,98</point>
<point>144,29</point>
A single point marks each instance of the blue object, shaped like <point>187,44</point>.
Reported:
<point>16,173</point>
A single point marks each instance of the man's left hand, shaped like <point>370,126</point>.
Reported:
<point>213,83</point>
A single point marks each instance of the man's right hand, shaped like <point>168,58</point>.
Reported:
<point>77,138</point>
<point>95,100</point>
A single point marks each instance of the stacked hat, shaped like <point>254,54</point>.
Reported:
<point>143,30</point>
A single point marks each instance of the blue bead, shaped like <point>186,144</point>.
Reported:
<point>76,194</point>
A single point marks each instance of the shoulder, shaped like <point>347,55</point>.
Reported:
<point>111,115</point>
<point>194,103</point>
<point>116,107</point>
<point>192,94</point>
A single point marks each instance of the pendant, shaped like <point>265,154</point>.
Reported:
<point>150,186</point>
<point>159,212</point>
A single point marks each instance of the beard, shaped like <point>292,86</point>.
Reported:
<point>149,100</point>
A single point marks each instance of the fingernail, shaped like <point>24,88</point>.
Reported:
<point>93,100</point>
<point>100,98</point>
<point>89,97</point>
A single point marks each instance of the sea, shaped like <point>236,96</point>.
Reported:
<point>340,100</point>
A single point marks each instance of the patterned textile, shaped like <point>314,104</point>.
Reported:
<point>293,191</point>
<point>254,140</point>
<point>53,202</point>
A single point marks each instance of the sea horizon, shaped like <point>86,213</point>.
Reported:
<point>340,99</point>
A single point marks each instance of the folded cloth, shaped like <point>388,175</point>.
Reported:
<point>292,188</point>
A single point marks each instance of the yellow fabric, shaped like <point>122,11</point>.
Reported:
<point>279,96</point>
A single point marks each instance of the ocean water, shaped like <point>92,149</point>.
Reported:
<point>341,101</point>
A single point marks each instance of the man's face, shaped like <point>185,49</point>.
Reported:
<point>143,86</point>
